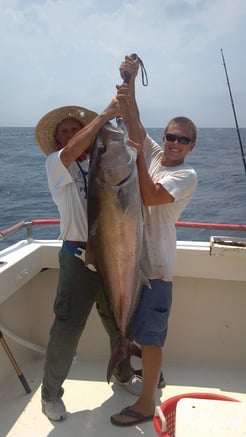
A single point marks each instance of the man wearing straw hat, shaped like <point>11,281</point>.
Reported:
<point>66,135</point>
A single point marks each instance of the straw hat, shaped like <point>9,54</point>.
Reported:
<point>46,128</point>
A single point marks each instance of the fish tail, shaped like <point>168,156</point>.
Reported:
<point>123,349</point>
<point>119,353</point>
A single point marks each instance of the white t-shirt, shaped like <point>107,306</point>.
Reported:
<point>68,189</point>
<point>159,250</point>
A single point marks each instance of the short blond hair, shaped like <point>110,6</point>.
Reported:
<point>187,122</point>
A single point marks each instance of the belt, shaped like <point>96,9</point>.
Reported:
<point>77,247</point>
<point>81,244</point>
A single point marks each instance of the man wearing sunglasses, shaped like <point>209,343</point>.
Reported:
<point>167,184</point>
<point>179,139</point>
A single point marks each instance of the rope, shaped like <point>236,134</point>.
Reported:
<point>127,75</point>
<point>145,81</point>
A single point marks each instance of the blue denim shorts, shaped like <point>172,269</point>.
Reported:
<point>150,321</point>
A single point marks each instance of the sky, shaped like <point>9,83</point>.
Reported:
<point>68,52</point>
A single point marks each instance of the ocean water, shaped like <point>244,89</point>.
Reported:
<point>220,195</point>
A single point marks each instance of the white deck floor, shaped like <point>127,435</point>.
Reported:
<point>90,400</point>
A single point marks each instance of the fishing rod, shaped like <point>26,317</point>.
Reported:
<point>234,112</point>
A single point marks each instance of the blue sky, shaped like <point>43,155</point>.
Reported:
<point>61,52</point>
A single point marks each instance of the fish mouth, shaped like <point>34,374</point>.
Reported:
<point>111,132</point>
<point>123,181</point>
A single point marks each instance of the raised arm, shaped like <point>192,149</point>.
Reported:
<point>84,139</point>
<point>135,128</point>
<point>152,193</point>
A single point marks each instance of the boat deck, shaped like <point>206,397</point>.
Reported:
<point>90,400</point>
<point>205,349</point>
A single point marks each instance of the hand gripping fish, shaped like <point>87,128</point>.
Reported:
<point>115,231</point>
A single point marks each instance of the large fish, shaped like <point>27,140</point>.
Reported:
<point>115,231</point>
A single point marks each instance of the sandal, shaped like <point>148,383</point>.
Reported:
<point>136,417</point>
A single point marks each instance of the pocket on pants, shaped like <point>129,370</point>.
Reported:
<point>158,320</point>
<point>61,305</point>
<point>67,274</point>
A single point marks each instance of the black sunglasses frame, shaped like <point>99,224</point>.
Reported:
<point>182,140</point>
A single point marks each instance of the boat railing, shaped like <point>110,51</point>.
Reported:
<point>29,227</point>
<point>47,222</point>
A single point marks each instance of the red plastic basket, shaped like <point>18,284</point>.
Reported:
<point>169,410</point>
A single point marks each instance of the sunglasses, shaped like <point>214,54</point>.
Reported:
<point>181,140</point>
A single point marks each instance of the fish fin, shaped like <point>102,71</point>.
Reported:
<point>144,279</point>
<point>123,349</point>
<point>89,257</point>
<point>119,353</point>
<point>135,350</point>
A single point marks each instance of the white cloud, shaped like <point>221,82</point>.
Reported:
<point>68,51</point>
